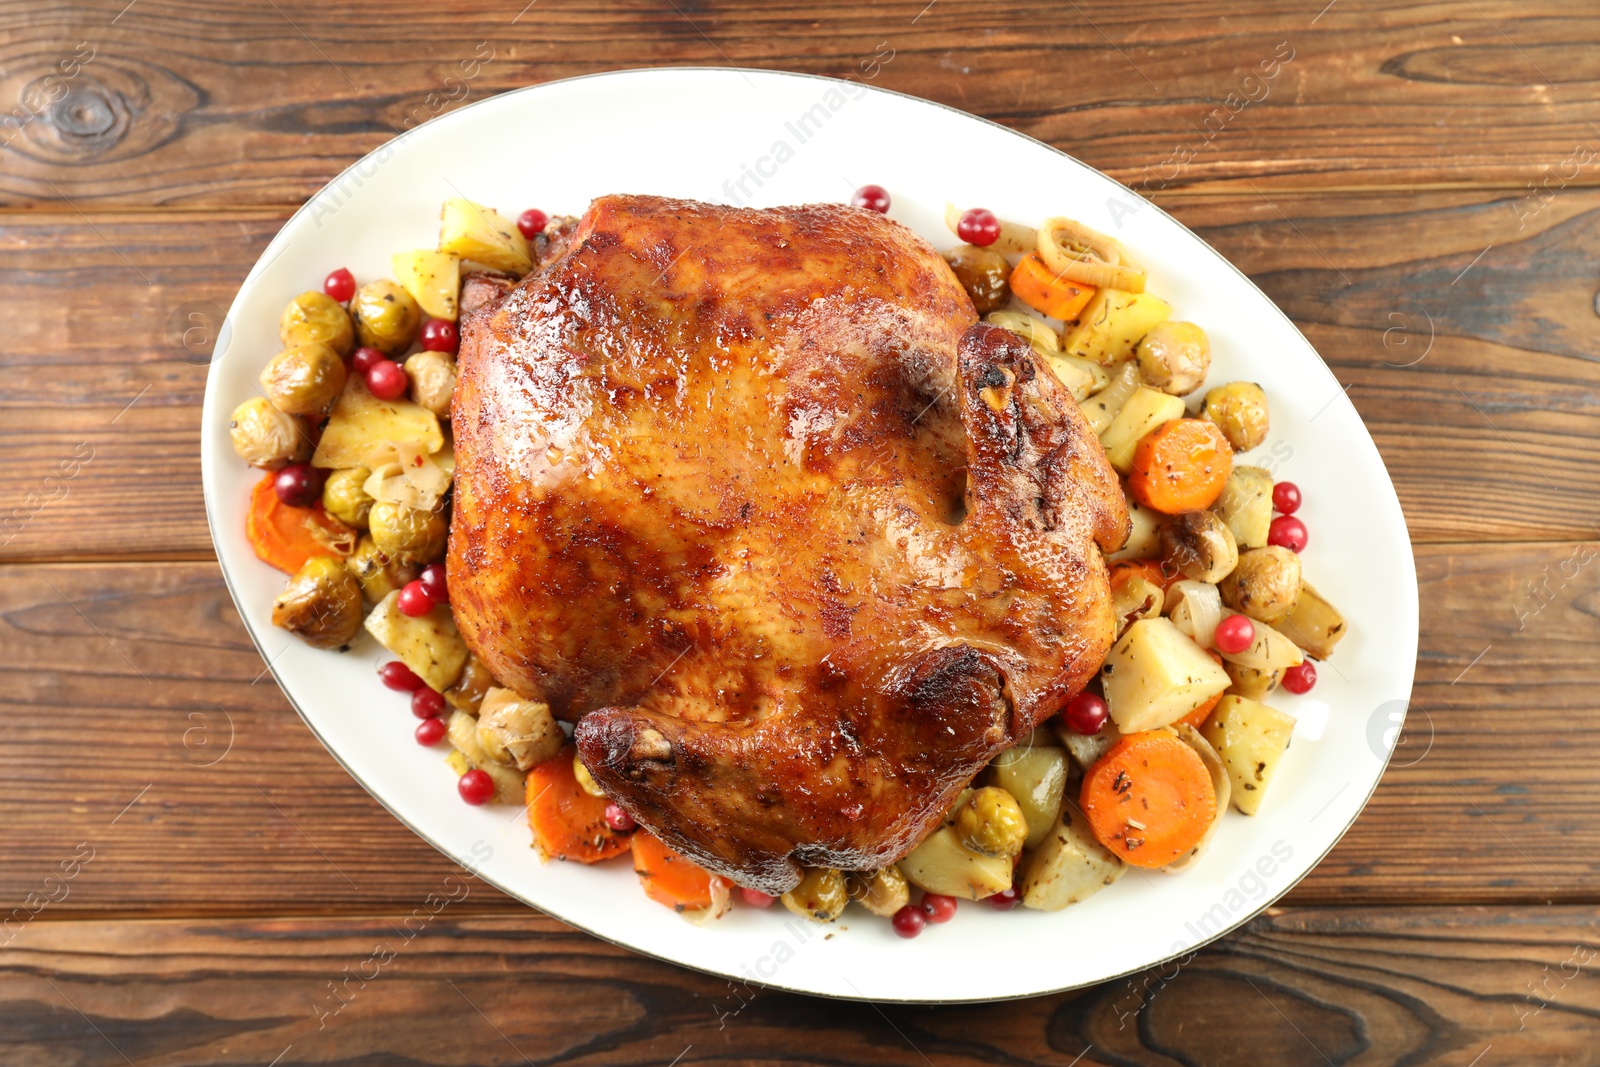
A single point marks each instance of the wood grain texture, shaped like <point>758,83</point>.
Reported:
<point>209,796</point>
<point>178,102</point>
<point>1463,324</point>
<point>1422,986</point>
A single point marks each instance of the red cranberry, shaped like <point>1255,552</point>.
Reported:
<point>756,898</point>
<point>414,599</point>
<point>1086,714</point>
<point>432,579</point>
<point>619,820</point>
<point>299,485</point>
<point>909,921</point>
<point>427,703</point>
<point>872,197</point>
<point>439,335</point>
<point>475,787</point>
<point>1286,497</point>
<point>340,285</point>
<point>1300,679</point>
<point>1288,532</point>
<point>398,676</point>
<point>1234,634</point>
<point>532,222</point>
<point>430,731</point>
<point>938,907</point>
<point>1005,900</point>
<point>386,381</point>
<point>979,227</point>
<point>365,359</point>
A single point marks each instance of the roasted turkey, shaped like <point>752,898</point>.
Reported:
<point>753,499</point>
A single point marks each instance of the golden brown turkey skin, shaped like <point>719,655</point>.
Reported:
<point>749,496</point>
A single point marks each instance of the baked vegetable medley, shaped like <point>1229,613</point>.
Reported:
<point>1216,622</point>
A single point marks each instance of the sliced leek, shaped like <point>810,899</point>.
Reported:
<point>1079,254</point>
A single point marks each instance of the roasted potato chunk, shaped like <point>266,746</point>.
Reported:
<point>1240,411</point>
<point>483,235</point>
<point>1265,584</point>
<point>1174,357</point>
<point>1251,738</point>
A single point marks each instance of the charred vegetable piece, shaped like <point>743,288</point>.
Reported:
<point>1198,546</point>
<point>982,272</point>
<point>470,689</point>
<point>321,604</point>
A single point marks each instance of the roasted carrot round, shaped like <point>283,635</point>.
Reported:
<point>668,878</point>
<point>1197,718</point>
<point>1044,290</point>
<point>286,537</point>
<point>568,822</point>
<point>1181,466</point>
<point>1149,799</point>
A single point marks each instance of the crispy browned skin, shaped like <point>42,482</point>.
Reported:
<point>749,495</point>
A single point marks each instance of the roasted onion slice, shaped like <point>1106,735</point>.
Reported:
<point>1080,254</point>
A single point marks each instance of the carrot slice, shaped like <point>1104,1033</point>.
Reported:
<point>1149,799</point>
<point>568,822</point>
<point>668,878</point>
<point>1044,290</point>
<point>286,537</point>
<point>1124,569</point>
<point>1180,466</point>
<point>1197,718</point>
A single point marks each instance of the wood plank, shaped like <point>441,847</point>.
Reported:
<point>1422,303</point>
<point>1420,986</point>
<point>108,666</point>
<point>173,103</point>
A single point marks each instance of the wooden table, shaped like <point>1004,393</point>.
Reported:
<point>187,875</point>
